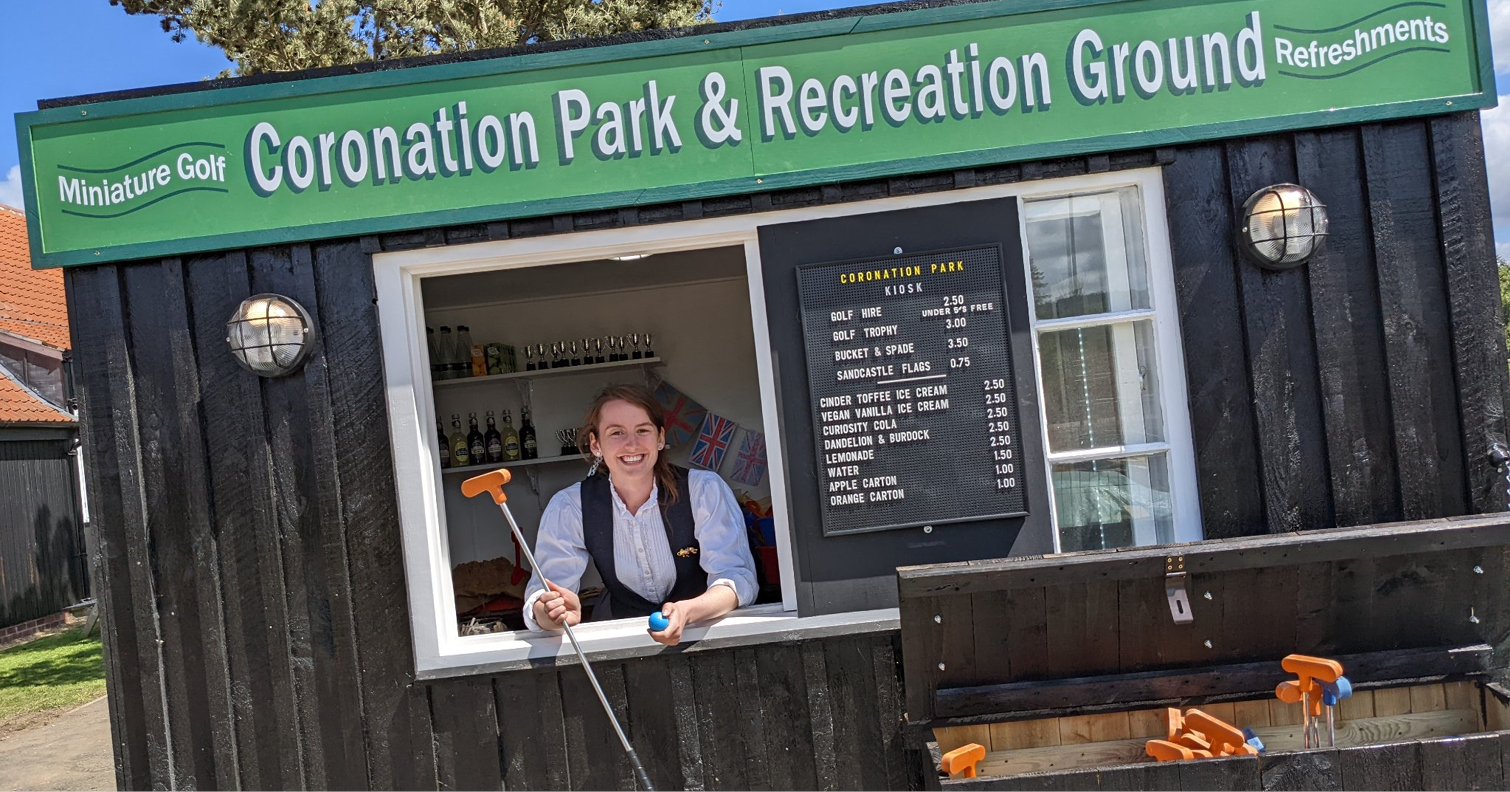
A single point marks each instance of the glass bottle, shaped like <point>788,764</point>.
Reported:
<point>493,440</point>
<point>475,443</point>
<point>445,445</point>
<point>463,365</point>
<point>461,454</point>
<point>511,451</point>
<point>527,436</point>
<point>445,351</point>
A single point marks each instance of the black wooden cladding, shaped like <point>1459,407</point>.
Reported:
<point>250,565</point>
<point>41,538</point>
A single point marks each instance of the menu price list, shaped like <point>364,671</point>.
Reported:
<point>914,405</point>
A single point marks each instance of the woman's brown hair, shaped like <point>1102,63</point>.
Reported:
<point>641,397</point>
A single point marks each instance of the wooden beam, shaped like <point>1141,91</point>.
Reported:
<point>1150,688</point>
<point>1221,555</point>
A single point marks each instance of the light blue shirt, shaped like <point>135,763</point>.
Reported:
<point>641,551</point>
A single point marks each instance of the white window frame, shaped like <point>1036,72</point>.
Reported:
<point>1178,445</point>
<point>439,650</point>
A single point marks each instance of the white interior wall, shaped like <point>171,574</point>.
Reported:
<point>702,330</point>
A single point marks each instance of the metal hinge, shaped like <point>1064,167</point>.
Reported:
<point>1177,589</point>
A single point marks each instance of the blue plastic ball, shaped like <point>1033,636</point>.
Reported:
<point>659,622</point>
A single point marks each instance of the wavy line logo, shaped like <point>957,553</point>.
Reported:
<point>107,193</point>
<point>1351,47</point>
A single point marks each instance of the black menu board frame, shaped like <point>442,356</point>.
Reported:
<point>893,346</point>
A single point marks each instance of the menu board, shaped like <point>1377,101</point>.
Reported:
<point>913,398</point>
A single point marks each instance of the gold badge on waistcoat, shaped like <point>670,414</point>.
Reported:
<point>686,552</point>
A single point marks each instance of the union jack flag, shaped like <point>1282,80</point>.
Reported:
<point>712,442</point>
<point>750,463</point>
<point>683,415</point>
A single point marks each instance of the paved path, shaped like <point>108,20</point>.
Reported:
<point>72,752</point>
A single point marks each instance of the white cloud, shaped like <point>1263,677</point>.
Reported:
<point>10,189</point>
<point>1499,33</point>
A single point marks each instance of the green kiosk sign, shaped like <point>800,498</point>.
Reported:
<point>725,113</point>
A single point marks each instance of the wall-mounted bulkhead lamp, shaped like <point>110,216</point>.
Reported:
<point>1282,226</point>
<point>270,335</point>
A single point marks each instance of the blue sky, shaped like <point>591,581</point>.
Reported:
<point>101,48</point>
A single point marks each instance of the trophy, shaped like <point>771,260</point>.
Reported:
<point>634,338</point>
<point>613,349</point>
<point>555,355</point>
<point>598,350</point>
<point>576,359</point>
<point>568,438</point>
<point>529,358</point>
<point>650,353</point>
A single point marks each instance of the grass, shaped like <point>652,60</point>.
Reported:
<point>58,671</point>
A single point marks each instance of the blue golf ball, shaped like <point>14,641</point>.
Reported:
<point>659,622</point>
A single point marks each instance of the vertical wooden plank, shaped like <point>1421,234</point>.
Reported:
<point>1281,360</point>
<point>1015,735</point>
<point>1428,698</point>
<point>1472,762</point>
<point>952,737</point>
<point>183,548</point>
<point>1027,639</point>
<point>469,751</point>
<point>103,369</point>
<point>1344,300</point>
<point>752,719</point>
<point>724,744</point>
<point>397,728</point>
<point>595,759</point>
<point>532,730</point>
<point>1417,325</point>
<point>1357,707</point>
<point>307,497</point>
<point>1353,625</point>
<point>1221,400</point>
<point>653,721</point>
<point>859,763</point>
<point>1149,723</point>
<point>888,697</point>
<point>922,648</point>
<point>239,466</point>
<point>1252,714</point>
<point>820,716</point>
<point>785,717</point>
<point>1396,766</point>
<point>1255,624</point>
<point>1391,701</point>
<point>1300,770</point>
<point>1081,628</point>
<point>1478,338</point>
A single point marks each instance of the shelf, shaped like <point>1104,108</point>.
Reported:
<point>549,372</point>
<point>483,468</point>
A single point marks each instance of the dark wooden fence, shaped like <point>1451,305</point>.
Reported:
<point>249,555</point>
<point>42,557</point>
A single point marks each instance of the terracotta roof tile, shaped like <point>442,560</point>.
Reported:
<point>20,406</point>
<point>31,301</point>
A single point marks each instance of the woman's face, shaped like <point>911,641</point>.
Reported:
<point>626,439</point>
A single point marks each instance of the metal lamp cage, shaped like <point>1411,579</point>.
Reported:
<point>270,335</point>
<point>1283,226</point>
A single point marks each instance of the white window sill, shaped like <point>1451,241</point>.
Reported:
<point>628,638</point>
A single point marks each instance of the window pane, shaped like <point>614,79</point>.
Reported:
<point>1101,386</point>
<point>1086,255</point>
<point>1113,503</point>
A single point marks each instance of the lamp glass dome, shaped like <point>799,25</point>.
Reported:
<point>270,335</point>
<point>1283,226</point>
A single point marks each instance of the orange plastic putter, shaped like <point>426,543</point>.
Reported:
<point>491,483</point>
<point>1166,751</point>
<point>1226,739</point>
<point>963,759</point>
<point>1174,723</point>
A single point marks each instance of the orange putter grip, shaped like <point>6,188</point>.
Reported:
<point>1222,734</point>
<point>1166,751</point>
<point>1312,667</point>
<point>1174,723</point>
<point>491,483</point>
<point>963,759</point>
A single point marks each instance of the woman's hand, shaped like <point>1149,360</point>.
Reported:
<point>672,635</point>
<point>558,607</point>
<point>711,604</point>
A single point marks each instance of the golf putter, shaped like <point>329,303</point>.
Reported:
<point>492,483</point>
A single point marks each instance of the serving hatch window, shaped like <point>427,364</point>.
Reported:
<point>1106,399</point>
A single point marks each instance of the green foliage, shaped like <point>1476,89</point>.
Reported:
<point>1504,268</point>
<point>62,670</point>
<point>285,35</point>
